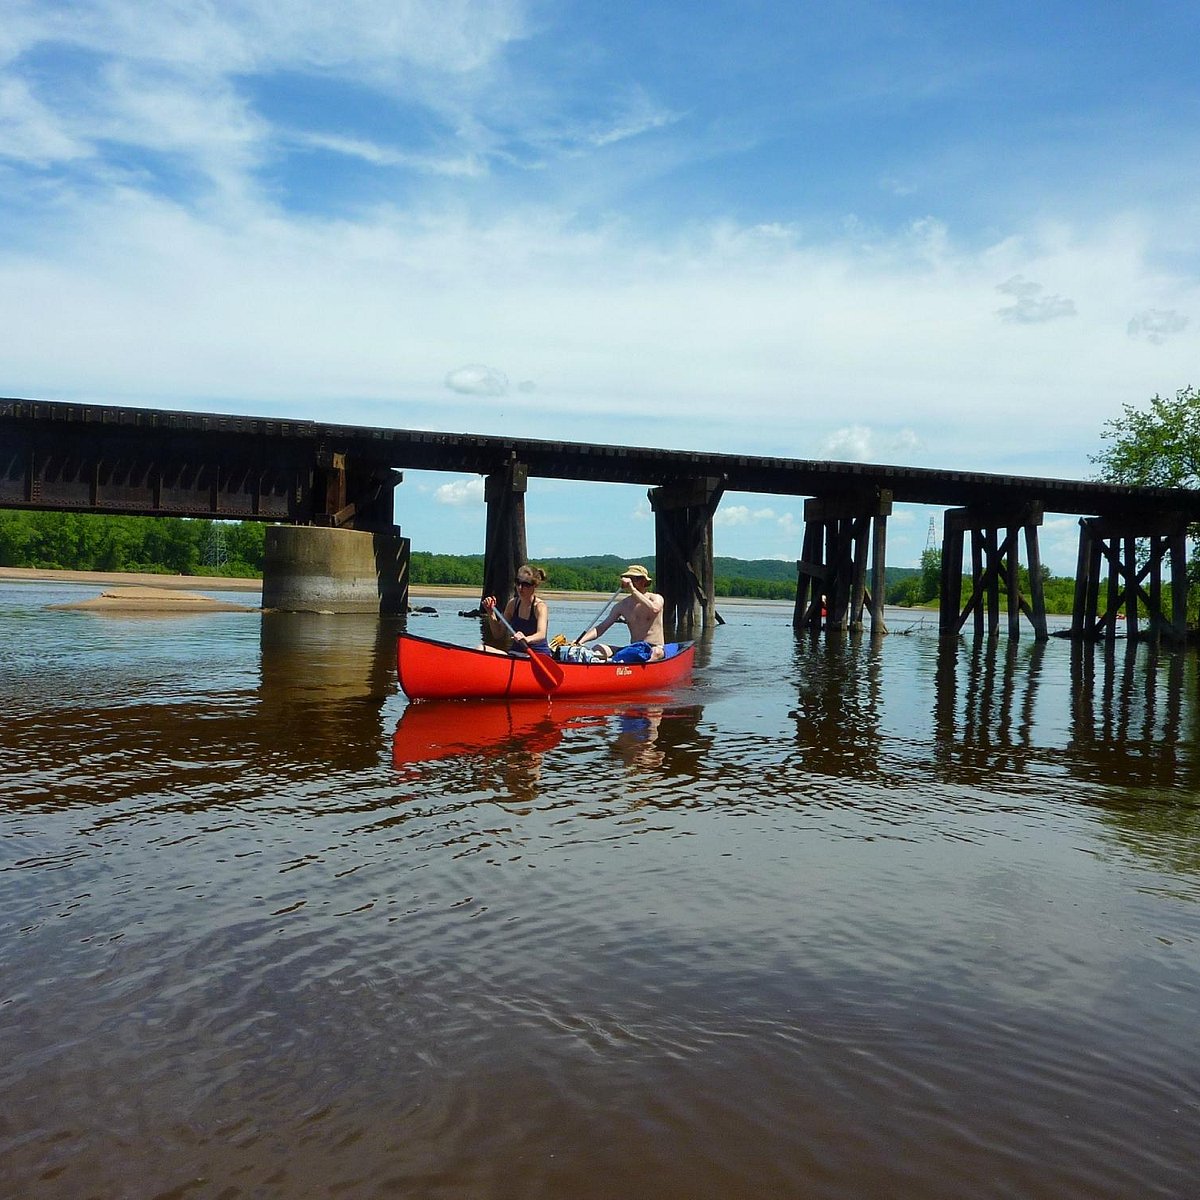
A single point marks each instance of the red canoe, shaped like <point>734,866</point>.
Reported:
<point>432,670</point>
<point>485,727</point>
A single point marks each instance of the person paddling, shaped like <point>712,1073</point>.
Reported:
<point>642,612</point>
<point>527,613</point>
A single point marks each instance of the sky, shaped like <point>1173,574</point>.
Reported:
<point>932,234</point>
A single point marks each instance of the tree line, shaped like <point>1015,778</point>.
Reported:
<point>186,546</point>
<point>70,541</point>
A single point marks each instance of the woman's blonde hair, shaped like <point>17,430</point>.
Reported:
<point>535,573</point>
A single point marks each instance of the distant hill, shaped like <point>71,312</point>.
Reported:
<point>771,570</point>
<point>762,578</point>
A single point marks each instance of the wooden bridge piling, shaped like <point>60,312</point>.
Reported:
<point>683,549</point>
<point>994,562</point>
<point>831,576</point>
<point>505,545</point>
<point>1108,564</point>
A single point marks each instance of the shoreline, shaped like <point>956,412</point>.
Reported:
<point>220,583</point>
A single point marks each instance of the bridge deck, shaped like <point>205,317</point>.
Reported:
<point>259,444</point>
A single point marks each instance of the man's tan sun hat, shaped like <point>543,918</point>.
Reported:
<point>636,569</point>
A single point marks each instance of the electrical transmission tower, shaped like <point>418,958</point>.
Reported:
<point>215,552</point>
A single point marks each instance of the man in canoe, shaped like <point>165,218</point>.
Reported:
<point>641,610</point>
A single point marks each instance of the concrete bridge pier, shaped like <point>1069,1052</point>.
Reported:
<point>505,545</point>
<point>321,569</point>
<point>994,561</point>
<point>1108,565</point>
<point>831,576</point>
<point>683,549</point>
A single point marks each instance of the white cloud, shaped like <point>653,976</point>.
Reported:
<point>733,515</point>
<point>1156,325</point>
<point>477,380</point>
<point>790,525</point>
<point>463,166</point>
<point>361,38</point>
<point>1030,307</point>
<point>745,518</point>
<point>460,493</point>
<point>857,443</point>
<point>638,114</point>
<point>29,130</point>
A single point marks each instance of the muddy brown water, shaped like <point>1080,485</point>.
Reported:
<point>830,921</point>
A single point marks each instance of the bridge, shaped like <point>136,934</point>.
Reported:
<point>307,475</point>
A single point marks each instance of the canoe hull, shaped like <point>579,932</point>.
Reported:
<point>432,670</point>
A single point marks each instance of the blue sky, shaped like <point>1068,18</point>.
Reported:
<point>934,234</point>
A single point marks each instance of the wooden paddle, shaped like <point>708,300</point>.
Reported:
<point>607,605</point>
<point>559,640</point>
<point>547,673</point>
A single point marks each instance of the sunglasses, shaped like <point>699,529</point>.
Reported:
<point>524,583</point>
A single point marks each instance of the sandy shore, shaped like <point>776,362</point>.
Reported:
<point>191,583</point>
<point>219,583</point>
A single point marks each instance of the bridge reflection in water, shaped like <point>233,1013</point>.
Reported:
<point>1122,721</point>
<point>1121,714</point>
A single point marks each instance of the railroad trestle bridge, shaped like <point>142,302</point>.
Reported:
<point>328,491</point>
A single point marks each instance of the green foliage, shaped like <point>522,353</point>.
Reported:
<point>923,587</point>
<point>174,545</point>
<point>920,586</point>
<point>1158,447</point>
<point>95,542</point>
<point>1155,447</point>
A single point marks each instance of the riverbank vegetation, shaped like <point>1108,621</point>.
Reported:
<point>181,546</point>
<point>1159,446</point>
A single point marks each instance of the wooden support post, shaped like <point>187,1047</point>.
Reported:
<point>994,566</point>
<point>977,593</point>
<point>505,548</point>
<point>950,591</point>
<point>1012,584</point>
<point>1036,612</point>
<point>1115,594</point>
<point>810,580</point>
<point>860,531</point>
<point>1111,544</point>
<point>1133,587</point>
<point>878,573</point>
<point>1083,561</point>
<point>1153,622</point>
<point>1177,542</point>
<point>833,571</point>
<point>683,548</point>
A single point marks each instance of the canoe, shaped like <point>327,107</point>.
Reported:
<point>432,670</point>
<point>427,732</point>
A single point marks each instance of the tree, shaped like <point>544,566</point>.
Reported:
<point>1158,447</point>
<point>931,574</point>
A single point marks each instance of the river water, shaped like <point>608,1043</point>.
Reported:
<point>831,921</point>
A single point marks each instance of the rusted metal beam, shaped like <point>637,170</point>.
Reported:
<point>423,449</point>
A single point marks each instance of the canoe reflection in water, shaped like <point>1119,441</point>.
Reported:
<point>514,735</point>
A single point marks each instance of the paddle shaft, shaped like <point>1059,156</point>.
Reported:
<point>547,672</point>
<point>607,605</point>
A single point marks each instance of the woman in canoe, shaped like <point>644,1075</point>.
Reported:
<point>526,612</point>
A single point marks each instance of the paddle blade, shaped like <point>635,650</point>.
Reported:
<point>546,671</point>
